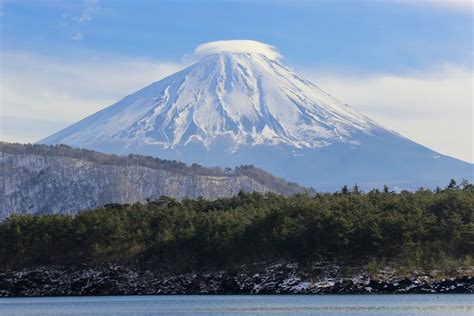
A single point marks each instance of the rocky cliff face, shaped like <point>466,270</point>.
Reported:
<point>48,180</point>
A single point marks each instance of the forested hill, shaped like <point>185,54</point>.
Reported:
<point>428,229</point>
<point>52,179</point>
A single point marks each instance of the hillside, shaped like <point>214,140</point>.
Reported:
<point>61,179</point>
<point>345,242</point>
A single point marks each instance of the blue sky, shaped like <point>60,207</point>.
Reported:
<point>418,46</point>
<point>364,35</point>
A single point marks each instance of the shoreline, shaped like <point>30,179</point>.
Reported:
<point>276,279</point>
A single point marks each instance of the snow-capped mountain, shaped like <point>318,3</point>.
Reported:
<point>237,104</point>
<point>246,98</point>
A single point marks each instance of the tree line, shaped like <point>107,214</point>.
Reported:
<point>425,227</point>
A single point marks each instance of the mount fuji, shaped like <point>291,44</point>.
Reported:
<point>237,104</point>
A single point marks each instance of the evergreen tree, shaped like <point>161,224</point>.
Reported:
<point>452,185</point>
<point>356,190</point>
<point>421,227</point>
<point>345,190</point>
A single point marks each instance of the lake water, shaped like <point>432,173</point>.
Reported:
<point>242,305</point>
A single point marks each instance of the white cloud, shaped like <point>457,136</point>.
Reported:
<point>238,46</point>
<point>77,37</point>
<point>91,7</point>
<point>464,6</point>
<point>72,23</point>
<point>56,93</point>
<point>434,108</point>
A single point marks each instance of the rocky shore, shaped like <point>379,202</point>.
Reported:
<point>273,279</point>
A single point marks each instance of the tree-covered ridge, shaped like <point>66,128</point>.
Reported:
<point>422,228</point>
<point>277,184</point>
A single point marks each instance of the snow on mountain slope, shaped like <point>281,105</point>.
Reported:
<point>246,97</point>
<point>237,104</point>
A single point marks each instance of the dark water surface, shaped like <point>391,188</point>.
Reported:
<point>421,304</point>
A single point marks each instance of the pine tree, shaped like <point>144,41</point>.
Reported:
<point>452,185</point>
<point>345,190</point>
<point>356,189</point>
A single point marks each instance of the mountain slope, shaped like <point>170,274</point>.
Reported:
<point>248,99</point>
<point>239,106</point>
<point>57,179</point>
